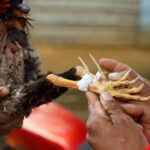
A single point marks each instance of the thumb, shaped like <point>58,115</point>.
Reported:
<point>112,65</point>
<point>94,105</point>
<point>112,107</point>
<point>4,91</point>
<point>95,109</point>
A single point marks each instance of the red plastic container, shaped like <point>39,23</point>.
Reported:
<point>49,127</point>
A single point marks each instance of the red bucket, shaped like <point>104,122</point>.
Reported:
<point>49,127</point>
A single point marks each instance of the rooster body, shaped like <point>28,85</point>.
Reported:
<point>20,64</point>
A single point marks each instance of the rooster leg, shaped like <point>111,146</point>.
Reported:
<point>35,93</point>
<point>79,72</point>
<point>61,82</point>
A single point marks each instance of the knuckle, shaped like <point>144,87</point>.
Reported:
<point>111,108</point>
<point>90,125</point>
<point>125,120</point>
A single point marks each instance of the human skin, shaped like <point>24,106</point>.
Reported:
<point>140,110</point>
<point>109,127</point>
<point>9,122</point>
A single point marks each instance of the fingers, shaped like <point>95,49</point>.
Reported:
<point>94,105</point>
<point>112,108</point>
<point>97,117</point>
<point>9,122</point>
<point>140,127</point>
<point>97,120</point>
<point>7,128</point>
<point>118,69</point>
<point>15,124</point>
<point>112,65</point>
<point>132,110</point>
<point>5,118</point>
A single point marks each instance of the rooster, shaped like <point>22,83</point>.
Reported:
<point>22,85</point>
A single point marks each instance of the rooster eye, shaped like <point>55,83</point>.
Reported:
<point>23,8</point>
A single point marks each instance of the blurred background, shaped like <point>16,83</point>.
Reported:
<point>66,29</point>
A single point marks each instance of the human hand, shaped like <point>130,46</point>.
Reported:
<point>110,128</point>
<point>9,122</point>
<point>118,70</point>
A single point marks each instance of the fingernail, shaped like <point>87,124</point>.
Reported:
<point>106,96</point>
<point>115,76</point>
<point>4,91</point>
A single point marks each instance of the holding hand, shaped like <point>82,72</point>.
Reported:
<point>9,122</point>
<point>118,70</point>
<point>110,128</point>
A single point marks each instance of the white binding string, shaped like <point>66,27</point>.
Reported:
<point>97,76</point>
<point>84,83</point>
<point>87,79</point>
